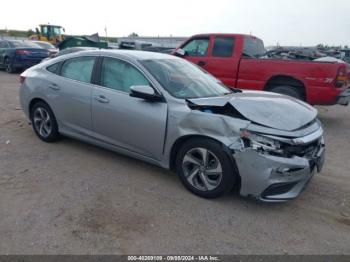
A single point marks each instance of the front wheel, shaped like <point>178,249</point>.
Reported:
<point>289,91</point>
<point>205,168</point>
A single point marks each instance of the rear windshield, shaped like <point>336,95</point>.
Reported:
<point>23,44</point>
<point>253,47</point>
<point>44,45</point>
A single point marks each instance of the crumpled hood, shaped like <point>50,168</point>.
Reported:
<point>265,108</point>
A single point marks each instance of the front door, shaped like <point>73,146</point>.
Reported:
<point>131,123</point>
<point>197,51</point>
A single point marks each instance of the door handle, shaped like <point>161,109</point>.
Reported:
<point>54,86</point>
<point>101,99</point>
<point>202,63</point>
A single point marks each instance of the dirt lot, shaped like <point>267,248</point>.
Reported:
<point>74,198</point>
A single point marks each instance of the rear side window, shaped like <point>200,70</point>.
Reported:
<point>24,44</point>
<point>253,47</point>
<point>55,68</point>
<point>79,69</point>
<point>119,75</point>
<point>223,46</point>
<point>197,47</point>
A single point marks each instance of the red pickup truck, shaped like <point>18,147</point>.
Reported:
<point>240,61</point>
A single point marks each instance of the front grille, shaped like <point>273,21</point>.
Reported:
<point>302,150</point>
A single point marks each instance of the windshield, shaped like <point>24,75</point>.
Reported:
<point>183,79</point>
<point>45,45</point>
<point>24,44</point>
<point>57,30</point>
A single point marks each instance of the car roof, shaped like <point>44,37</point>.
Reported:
<point>130,54</point>
<point>222,35</point>
<point>19,41</point>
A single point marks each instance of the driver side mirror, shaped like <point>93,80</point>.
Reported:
<point>145,92</point>
<point>180,52</point>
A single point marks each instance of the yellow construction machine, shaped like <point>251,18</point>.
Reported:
<point>49,33</point>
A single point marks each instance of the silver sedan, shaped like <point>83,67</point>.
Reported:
<point>167,111</point>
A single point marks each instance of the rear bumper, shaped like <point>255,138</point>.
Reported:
<point>324,95</point>
<point>276,179</point>
<point>344,98</point>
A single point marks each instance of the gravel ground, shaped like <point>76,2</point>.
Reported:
<point>74,198</point>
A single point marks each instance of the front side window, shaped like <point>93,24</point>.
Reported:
<point>79,69</point>
<point>120,75</point>
<point>223,46</point>
<point>197,47</point>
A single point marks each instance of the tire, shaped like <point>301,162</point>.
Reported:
<point>8,66</point>
<point>44,122</point>
<point>193,173</point>
<point>289,91</point>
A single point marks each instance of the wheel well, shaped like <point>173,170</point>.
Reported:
<point>33,102</point>
<point>282,80</point>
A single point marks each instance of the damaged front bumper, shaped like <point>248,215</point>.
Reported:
<point>344,98</point>
<point>271,178</point>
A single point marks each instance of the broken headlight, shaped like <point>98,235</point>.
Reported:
<point>260,143</point>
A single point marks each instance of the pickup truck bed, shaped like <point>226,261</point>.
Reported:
<point>238,61</point>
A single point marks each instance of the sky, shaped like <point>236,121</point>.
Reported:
<point>287,22</point>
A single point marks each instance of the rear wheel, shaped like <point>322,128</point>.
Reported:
<point>205,168</point>
<point>8,66</point>
<point>44,122</point>
<point>289,91</point>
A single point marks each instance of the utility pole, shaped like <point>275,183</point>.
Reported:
<point>106,33</point>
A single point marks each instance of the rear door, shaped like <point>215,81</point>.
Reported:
<point>69,93</point>
<point>130,123</point>
<point>223,63</point>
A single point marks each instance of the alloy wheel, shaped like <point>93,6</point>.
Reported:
<point>42,122</point>
<point>202,169</point>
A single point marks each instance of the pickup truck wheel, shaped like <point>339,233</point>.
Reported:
<point>205,168</point>
<point>288,90</point>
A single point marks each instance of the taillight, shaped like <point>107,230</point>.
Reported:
<point>22,79</point>
<point>342,77</point>
<point>22,52</point>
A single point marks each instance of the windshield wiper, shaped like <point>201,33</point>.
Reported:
<point>233,90</point>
